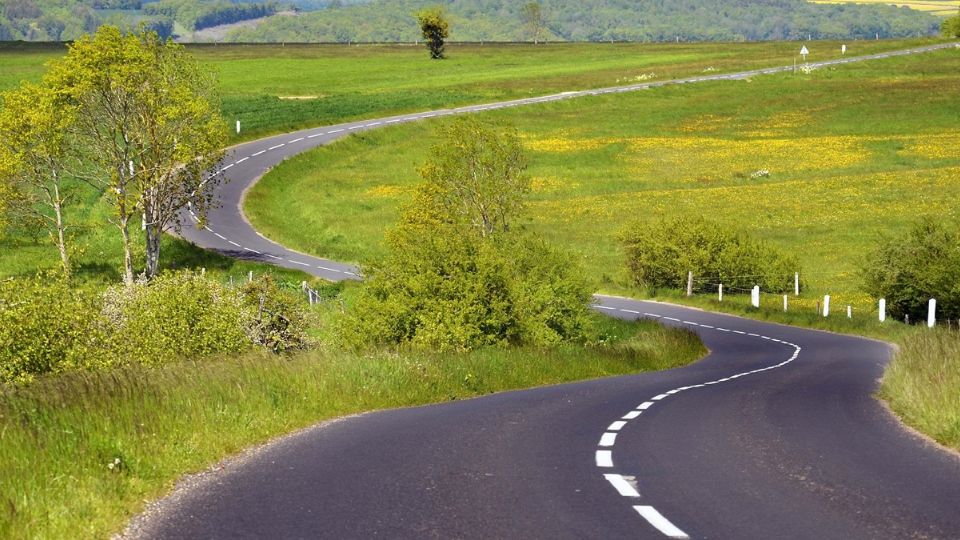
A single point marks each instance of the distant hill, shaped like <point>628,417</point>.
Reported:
<point>473,20</point>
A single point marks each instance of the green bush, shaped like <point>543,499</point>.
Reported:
<point>443,290</point>
<point>47,327</point>
<point>661,255</point>
<point>176,316</point>
<point>278,322</point>
<point>951,27</point>
<point>911,269</point>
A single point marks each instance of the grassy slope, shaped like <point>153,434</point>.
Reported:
<point>853,152</point>
<point>60,435</point>
<point>367,81</point>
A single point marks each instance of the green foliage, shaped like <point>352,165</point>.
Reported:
<point>602,20</point>
<point>279,322</point>
<point>661,255</point>
<point>177,316</point>
<point>435,28</point>
<point>951,27</point>
<point>455,277</point>
<point>911,269</point>
<point>198,15</point>
<point>47,327</point>
<point>476,174</point>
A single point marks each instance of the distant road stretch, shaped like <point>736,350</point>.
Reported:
<point>775,435</point>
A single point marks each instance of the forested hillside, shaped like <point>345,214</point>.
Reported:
<point>473,20</point>
<point>602,20</point>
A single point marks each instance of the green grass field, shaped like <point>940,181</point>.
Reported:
<point>273,88</point>
<point>61,435</point>
<point>853,152</point>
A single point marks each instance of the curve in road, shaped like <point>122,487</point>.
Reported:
<point>755,441</point>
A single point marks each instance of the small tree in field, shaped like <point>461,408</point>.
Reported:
<point>435,29</point>
<point>478,172</point>
<point>951,27</point>
<point>34,151</point>
<point>149,125</point>
<point>532,14</point>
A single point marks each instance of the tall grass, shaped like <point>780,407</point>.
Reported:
<point>922,384</point>
<point>81,452</point>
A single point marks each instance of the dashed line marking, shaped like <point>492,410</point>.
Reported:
<point>606,308</point>
<point>233,243</point>
<point>616,426</point>
<point>315,135</point>
<point>295,140</point>
<point>220,236</point>
<point>335,131</point>
<point>608,439</point>
<point>604,459</point>
<point>631,415</point>
<point>260,153</point>
<point>371,124</point>
<point>672,319</point>
<point>252,251</point>
<point>239,161</point>
<point>227,167</point>
<point>298,262</point>
<point>281,145</point>
<point>274,257</point>
<point>645,405</point>
<point>659,522</point>
<point>622,485</point>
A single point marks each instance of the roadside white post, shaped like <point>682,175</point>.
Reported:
<point>250,277</point>
<point>796,283</point>
<point>932,313</point>
<point>720,291</point>
<point>804,52</point>
<point>883,309</point>
<point>238,127</point>
<point>849,312</point>
<point>690,283</point>
<point>843,49</point>
<point>755,296</point>
<point>826,305</point>
<point>203,271</point>
<point>785,303</point>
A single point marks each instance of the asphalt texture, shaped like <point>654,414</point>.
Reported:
<point>776,434</point>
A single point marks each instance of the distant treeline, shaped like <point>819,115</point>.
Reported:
<point>473,20</point>
<point>602,20</point>
<point>199,15</point>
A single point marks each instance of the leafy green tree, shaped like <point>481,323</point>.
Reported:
<point>951,27</point>
<point>457,276</point>
<point>478,173</point>
<point>532,15</point>
<point>435,29</point>
<point>34,156</point>
<point>149,123</point>
<point>911,269</point>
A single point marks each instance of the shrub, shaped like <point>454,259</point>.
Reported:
<point>175,316</point>
<point>951,27</point>
<point>911,269</point>
<point>661,255</point>
<point>47,327</point>
<point>278,322</point>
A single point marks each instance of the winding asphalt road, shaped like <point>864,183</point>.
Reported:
<point>774,435</point>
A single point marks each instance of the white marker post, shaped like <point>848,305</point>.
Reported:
<point>785,303</point>
<point>720,292</point>
<point>238,127</point>
<point>849,312</point>
<point>804,52</point>
<point>843,49</point>
<point>883,309</point>
<point>755,296</point>
<point>796,283</point>
<point>932,313</point>
<point>826,305</point>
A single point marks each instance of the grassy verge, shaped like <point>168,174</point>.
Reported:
<point>61,435</point>
<point>922,385</point>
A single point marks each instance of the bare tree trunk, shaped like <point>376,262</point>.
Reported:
<point>61,230</point>
<point>153,247</point>
<point>127,251</point>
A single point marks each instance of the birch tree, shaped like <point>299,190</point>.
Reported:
<point>34,154</point>
<point>532,15</point>
<point>148,123</point>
